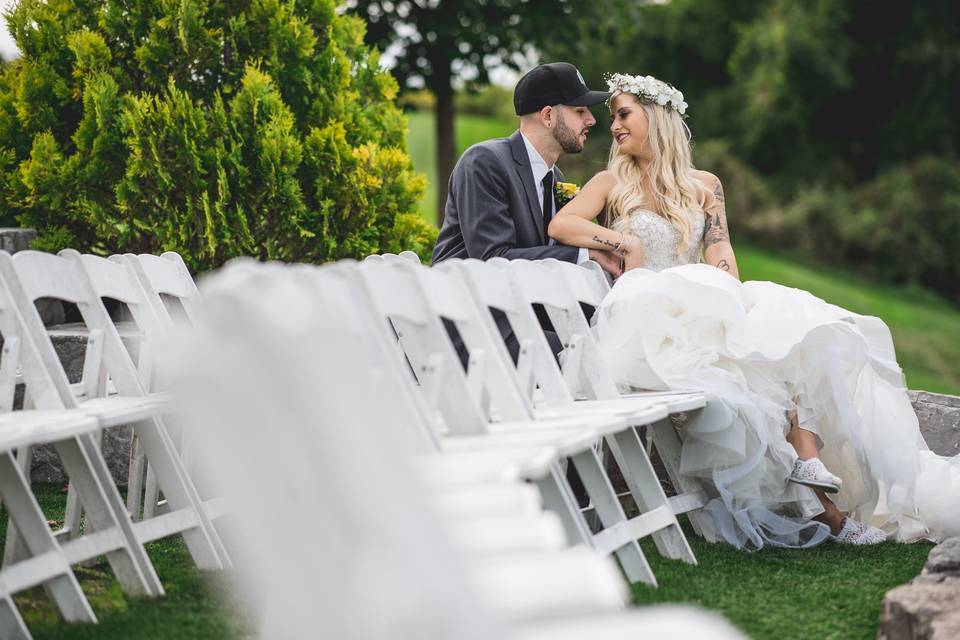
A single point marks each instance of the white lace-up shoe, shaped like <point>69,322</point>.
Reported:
<point>854,532</point>
<point>812,473</point>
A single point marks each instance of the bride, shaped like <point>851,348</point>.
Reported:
<point>810,397</point>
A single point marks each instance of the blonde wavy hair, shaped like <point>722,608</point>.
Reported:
<point>676,193</point>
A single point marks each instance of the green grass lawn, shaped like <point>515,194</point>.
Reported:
<point>926,329</point>
<point>830,592</point>
<point>194,607</point>
<point>827,592</point>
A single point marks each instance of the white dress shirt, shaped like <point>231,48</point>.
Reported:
<point>539,167</point>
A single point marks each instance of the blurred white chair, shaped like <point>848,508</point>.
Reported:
<point>341,519</point>
<point>32,275</point>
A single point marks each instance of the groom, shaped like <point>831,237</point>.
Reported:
<point>501,193</point>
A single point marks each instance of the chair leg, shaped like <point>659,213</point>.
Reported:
<point>645,488</point>
<point>558,498</point>
<point>14,549</point>
<point>614,520</point>
<point>668,445</point>
<point>105,511</point>
<point>11,624</point>
<point>135,479</point>
<point>151,494</point>
<point>62,586</point>
<point>202,540</point>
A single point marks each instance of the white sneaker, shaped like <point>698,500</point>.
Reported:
<point>854,532</point>
<point>812,473</point>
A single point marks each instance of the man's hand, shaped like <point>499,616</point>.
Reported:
<point>609,261</point>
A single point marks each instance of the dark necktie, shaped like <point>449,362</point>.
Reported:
<point>547,183</point>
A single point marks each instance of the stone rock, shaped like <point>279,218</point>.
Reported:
<point>939,417</point>
<point>944,559</point>
<point>13,240</point>
<point>928,608</point>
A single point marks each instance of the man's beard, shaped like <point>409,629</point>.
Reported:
<point>568,140</point>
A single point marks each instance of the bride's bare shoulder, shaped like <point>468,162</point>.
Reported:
<point>706,178</point>
<point>603,180</point>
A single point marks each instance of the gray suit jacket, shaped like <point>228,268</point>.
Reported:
<point>492,207</point>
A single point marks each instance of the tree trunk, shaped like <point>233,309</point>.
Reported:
<point>446,136</point>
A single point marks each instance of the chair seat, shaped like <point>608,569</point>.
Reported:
<point>40,426</point>
<point>567,441</point>
<point>470,467</point>
<point>602,422</point>
<point>117,410</point>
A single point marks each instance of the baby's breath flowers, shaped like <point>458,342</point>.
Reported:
<point>648,89</point>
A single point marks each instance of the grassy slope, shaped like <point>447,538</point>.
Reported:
<point>926,330</point>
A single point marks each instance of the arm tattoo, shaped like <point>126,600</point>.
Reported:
<point>715,229</point>
<point>606,243</point>
<point>723,264</point>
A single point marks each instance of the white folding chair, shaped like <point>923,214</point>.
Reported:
<point>375,394</point>
<point>32,275</point>
<point>588,287</point>
<point>35,555</point>
<point>344,399</point>
<point>424,296</point>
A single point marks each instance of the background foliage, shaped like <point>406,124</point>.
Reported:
<point>832,123</point>
<point>212,128</point>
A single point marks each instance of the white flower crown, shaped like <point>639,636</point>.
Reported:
<point>648,89</point>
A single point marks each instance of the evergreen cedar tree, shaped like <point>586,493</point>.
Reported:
<point>213,128</point>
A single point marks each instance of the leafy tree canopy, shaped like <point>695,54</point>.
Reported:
<point>209,127</point>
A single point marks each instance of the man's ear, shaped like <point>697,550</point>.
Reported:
<point>547,116</point>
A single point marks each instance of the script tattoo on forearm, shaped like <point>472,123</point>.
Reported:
<point>715,229</point>
<point>605,243</point>
<point>723,264</point>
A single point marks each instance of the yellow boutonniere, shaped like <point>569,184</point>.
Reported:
<point>564,192</point>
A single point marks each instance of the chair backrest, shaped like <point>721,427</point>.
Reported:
<point>493,286</point>
<point>587,284</point>
<point>407,414</point>
<point>490,368</point>
<point>394,293</point>
<point>540,283</point>
<point>289,388</point>
<point>27,355</point>
<point>32,275</point>
<point>167,281</point>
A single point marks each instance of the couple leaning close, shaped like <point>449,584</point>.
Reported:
<point>817,439</point>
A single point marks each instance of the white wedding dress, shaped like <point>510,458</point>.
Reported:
<point>761,349</point>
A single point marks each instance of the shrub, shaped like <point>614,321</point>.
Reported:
<point>902,226</point>
<point>261,127</point>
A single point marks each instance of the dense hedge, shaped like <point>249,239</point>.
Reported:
<point>212,128</point>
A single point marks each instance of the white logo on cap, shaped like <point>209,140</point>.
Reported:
<point>582,81</point>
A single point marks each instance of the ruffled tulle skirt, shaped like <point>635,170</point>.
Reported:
<point>761,350</point>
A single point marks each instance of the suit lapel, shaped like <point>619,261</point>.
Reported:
<point>522,161</point>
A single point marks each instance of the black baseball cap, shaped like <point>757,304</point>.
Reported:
<point>553,83</point>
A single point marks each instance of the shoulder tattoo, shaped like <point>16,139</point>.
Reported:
<point>715,227</point>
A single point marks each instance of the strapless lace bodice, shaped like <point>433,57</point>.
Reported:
<point>660,240</point>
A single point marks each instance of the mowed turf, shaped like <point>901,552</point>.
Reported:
<point>827,592</point>
<point>194,608</point>
<point>926,329</point>
<point>831,592</point>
